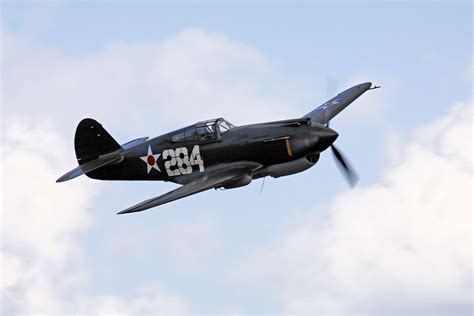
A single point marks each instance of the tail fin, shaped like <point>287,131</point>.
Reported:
<point>92,140</point>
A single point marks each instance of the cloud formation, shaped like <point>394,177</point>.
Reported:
<point>400,245</point>
<point>191,76</point>
<point>404,239</point>
<point>42,223</point>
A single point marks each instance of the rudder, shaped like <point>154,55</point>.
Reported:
<point>92,140</point>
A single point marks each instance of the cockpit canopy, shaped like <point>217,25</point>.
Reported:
<point>204,131</point>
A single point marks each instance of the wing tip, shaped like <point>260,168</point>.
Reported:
<point>129,210</point>
<point>63,178</point>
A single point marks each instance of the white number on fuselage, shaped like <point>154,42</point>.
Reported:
<point>178,162</point>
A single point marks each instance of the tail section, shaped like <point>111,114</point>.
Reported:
<point>92,140</point>
<point>95,148</point>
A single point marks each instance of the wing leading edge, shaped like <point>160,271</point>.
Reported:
<point>331,108</point>
<point>219,176</point>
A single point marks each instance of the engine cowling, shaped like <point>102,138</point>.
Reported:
<point>292,167</point>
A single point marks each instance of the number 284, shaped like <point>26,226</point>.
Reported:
<point>178,161</point>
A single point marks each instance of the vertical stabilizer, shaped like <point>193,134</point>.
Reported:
<point>92,140</point>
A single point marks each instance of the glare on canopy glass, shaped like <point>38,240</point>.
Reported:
<point>203,131</point>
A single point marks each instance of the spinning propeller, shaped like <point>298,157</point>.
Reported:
<point>347,171</point>
<point>342,163</point>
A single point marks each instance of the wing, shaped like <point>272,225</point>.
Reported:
<point>104,160</point>
<point>331,108</point>
<point>217,177</point>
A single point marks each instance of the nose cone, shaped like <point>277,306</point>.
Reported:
<point>326,137</point>
<point>329,134</point>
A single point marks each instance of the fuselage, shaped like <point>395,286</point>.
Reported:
<point>177,157</point>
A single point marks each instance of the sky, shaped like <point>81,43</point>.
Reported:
<point>399,243</point>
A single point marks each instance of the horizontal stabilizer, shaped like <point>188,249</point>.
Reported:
<point>89,166</point>
<point>133,143</point>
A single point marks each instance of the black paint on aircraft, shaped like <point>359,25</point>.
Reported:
<point>214,154</point>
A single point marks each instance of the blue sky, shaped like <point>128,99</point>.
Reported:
<point>276,56</point>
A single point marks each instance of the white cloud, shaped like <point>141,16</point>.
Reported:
<point>150,300</point>
<point>192,76</point>
<point>41,225</point>
<point>160,85</point>
<point>190,243</point>
<point>376,235</point>
<point>187,245</point>
<point>402,245</point>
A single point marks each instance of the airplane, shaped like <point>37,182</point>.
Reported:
<point>214,154</point>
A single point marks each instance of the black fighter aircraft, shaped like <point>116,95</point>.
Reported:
<point>213,154</point>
